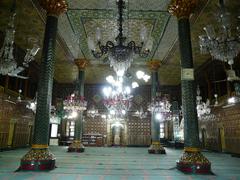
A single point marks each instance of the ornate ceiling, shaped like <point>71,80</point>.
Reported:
<point>84,16</point>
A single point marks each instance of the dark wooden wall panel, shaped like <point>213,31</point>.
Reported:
<point>225,121</point>
<point>15,121</point>
<point>96,125</point>
<point>139,131</point>
<point>21,134</point>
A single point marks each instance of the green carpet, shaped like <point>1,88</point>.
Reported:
<point>100,163</point>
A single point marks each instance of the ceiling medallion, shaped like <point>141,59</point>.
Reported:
<point>121,55</point>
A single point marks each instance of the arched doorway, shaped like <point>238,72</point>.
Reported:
<point>117,134</point>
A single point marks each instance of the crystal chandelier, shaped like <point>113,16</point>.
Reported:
<point>202,107</point>
<point>121,55</point>
<point>74,103</point>
<point>117,97</point>
<point>160,107</point>
<point>7,62</point>
<point>223,45</point>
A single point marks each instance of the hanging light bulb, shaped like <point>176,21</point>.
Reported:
<point>140,74</point>
<point>146,77</point>
<point>134,85</point>
<point>110,79</point>
<point>216,99</point>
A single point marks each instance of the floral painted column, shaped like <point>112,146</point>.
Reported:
<point>77,145</point>
<point>39,157</point>
<point>192,160</point>
<point>156,147</point>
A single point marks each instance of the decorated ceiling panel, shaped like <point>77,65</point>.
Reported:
<point>91,4</point>
<point>71,40</point>
<point>151,5</point>
<point>85,22</point>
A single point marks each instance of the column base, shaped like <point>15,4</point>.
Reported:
<point>76,146</point>
<point>193,161</point>
<point>38,160</point>
<point>156,148</point>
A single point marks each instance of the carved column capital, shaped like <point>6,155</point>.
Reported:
<point>182,8</point>
<point>54,7</point>
<point>154,65</point>
<point>81,63</point>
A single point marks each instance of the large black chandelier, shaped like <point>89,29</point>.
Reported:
<point>121,55</point>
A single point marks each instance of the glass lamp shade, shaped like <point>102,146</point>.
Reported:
<point>140,74</point>
<point>98,34</point>
<point>91,44</point>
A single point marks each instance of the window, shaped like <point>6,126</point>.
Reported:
<point>54,130</point>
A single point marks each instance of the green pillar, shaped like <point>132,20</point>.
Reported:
<point>155,125</point>
<point>39,157</point>
<point>192,160</point>
<point>155,147</point>
<point>77,146</point>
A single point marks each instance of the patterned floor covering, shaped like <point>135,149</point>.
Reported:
<point>102,163</point>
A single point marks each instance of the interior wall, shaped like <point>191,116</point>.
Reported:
<point>16,122</point>
<point>222,129</point>
<point>136,131</point>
